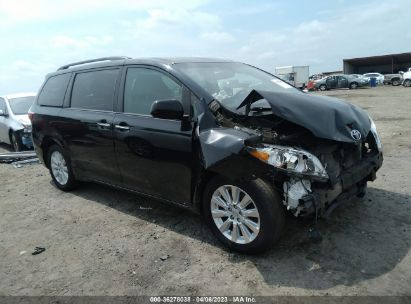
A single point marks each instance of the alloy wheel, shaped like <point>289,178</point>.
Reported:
<point>59,168</point>
<point>235,214</point>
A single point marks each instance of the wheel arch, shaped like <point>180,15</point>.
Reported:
<point>235,168</point>
<point>10,132</point>
<point>204,179</point>
<point>45,146</point>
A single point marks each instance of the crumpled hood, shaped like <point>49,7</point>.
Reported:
<point>325,117</point>
<point>24,119</point>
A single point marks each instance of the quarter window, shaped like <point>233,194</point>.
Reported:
<point>144,86</point>
<point>94,90</point>
<point>54,90</point>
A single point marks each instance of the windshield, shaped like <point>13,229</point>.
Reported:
<point>21,105</point>
<point>231,82</point>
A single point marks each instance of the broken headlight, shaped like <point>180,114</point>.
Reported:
<point>289,159</point>
<point>375,134</point>
<point>27,128</point>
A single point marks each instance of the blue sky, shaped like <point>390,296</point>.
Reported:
<point>38,36</point>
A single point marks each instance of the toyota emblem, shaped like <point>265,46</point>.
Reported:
<point>356,135</point>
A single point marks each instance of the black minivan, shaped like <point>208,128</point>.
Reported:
<point>222,138</point>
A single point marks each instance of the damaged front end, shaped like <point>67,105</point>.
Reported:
<point>318,151</point>
<point>25,137</point>
<point>347,171</point>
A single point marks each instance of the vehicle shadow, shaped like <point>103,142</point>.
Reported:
<point>4,148</point>
<point>363,239</point>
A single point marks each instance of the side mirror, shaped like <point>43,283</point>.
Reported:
<point>401,72</point>
<point>2,113</point>
<point>167,109</point>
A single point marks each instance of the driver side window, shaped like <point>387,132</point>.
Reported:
<point>144,86</point>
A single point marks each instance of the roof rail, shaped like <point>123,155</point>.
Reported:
<point>92,60</point>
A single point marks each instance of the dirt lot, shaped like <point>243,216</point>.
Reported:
<point>101,241</point>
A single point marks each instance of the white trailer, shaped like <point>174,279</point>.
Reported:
<point>294,75</point>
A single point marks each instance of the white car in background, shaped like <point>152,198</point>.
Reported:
<point>15,125</point>
<point>357,75</point>
<point>380,77</point>
<point>406,78</point>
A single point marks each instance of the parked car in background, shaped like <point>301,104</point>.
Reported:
<point>15,125</point>
<point>356,75</point>
<point>393,79</point>
<point>378,76</point>
<point>406,78</point>
<point>339,82</point>
<point>316,77</point>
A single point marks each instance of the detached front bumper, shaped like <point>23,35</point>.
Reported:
<point>321,198</point>
<point>26,139</point>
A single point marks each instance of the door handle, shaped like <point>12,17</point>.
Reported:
<point>122,127</point>
<point>104,124</point>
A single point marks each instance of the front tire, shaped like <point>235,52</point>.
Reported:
<point>60,168</point>
<point>395,82</point>
<point>353,86</point>
<point>245,216</point>
<point>323,87</point>
<point>16,142</point>
<point>407,83</point>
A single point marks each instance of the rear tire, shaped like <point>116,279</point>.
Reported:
<point>395,82</point>
<point>353,85</point>
<point>323,87</point>
<point>60,168</point>
<point>16,142</point>
<point>265,202</point>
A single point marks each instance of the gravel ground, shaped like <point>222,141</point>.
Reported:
<point>101,241</point>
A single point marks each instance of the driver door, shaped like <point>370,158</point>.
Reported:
<point>154,155</point>
<point>342,82</point>
<point>331,82</point>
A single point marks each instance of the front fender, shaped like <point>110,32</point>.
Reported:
<point>15,125</point>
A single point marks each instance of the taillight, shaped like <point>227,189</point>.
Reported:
<point>31,115</point>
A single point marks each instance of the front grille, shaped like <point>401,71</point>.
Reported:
<point>346,156</point>
<point>350,155</point>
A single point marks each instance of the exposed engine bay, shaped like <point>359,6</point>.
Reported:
<point>314,172</point>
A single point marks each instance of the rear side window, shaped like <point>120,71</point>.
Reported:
<point>54,90</point>
<point>94,90</point>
